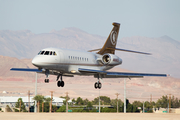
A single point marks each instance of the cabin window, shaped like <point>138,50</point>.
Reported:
<point>42,52</point>
<point>46,53</point>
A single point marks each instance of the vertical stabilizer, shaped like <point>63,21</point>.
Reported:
<point>110,44</point>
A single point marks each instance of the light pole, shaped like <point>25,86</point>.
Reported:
<point>35,108</point>
<point>124,95</point>
<point>143,106</point>
<point>99,101</point>
<point>117,100</point>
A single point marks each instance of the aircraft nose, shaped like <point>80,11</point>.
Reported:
<point>35,61</point>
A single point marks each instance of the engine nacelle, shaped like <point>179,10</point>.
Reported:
<point>111,59</point>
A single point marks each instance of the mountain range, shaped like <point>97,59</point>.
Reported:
<point>165,51</point>
<point>19,47</point>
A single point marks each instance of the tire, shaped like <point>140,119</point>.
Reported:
<point>96,85</point>
<point>62,83</point>
<point>59,83</point>
<point>99,85</point>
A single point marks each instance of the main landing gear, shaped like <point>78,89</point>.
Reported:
<point>98,84</point>
<point>61,82</point>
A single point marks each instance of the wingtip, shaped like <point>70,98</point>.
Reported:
<point>168,75</point>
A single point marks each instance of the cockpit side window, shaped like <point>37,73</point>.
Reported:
<point>39,52</point>
<point>54,53</point>
<point>42,52</point>
<point>46,53</point>
<point>50,53</point>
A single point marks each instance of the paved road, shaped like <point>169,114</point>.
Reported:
<point>88,116</point>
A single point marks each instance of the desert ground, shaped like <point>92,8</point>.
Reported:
<point>88,116</point>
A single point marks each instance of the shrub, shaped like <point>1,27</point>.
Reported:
<point>62,109</point>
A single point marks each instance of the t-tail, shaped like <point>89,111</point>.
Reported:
<point>110,44</point>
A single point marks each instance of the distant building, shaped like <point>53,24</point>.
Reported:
<point>4,100</point>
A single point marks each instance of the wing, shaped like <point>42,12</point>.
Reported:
<point>52,72</point>
<point>105,74</point>
<point>26,69</point>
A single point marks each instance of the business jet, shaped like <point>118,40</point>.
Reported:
<point>67,63</point>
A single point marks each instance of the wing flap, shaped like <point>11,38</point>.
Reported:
<point>91,71</point>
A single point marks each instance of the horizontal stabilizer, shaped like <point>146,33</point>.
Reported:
<point>130,51</point>
<point>26,69</point>
<point>122,50</point>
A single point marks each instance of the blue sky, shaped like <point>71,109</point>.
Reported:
<point>150,18</point>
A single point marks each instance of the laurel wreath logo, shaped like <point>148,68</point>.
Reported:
<point>113,37</point>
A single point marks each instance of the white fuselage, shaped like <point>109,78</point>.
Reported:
<point>69,61</point>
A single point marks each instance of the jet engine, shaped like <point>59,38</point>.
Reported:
<point>111,59</point>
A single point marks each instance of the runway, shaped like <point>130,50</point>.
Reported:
<point>88,116</point>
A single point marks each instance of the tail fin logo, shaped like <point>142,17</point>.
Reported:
<point>113,37</point>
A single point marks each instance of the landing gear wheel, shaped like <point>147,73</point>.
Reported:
<point>46,80</point>
<point>60,83</point>
<point>96,85</point>
<point>99,85</point>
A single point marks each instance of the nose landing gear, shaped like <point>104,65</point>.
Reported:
<point>47,75</point>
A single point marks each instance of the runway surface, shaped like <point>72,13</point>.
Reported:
<point>88,116</point>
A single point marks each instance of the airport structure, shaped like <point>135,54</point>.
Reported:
<point>11,101</point>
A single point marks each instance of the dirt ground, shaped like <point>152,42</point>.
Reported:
<point>88,116</point>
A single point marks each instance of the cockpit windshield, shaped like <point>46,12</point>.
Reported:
<point>42,52</point>
<point>39,52</point>
<point>47,53</point>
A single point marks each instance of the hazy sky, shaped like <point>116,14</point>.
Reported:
<point>150,18</point>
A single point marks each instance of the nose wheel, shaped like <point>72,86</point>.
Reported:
<point>46,80</point>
